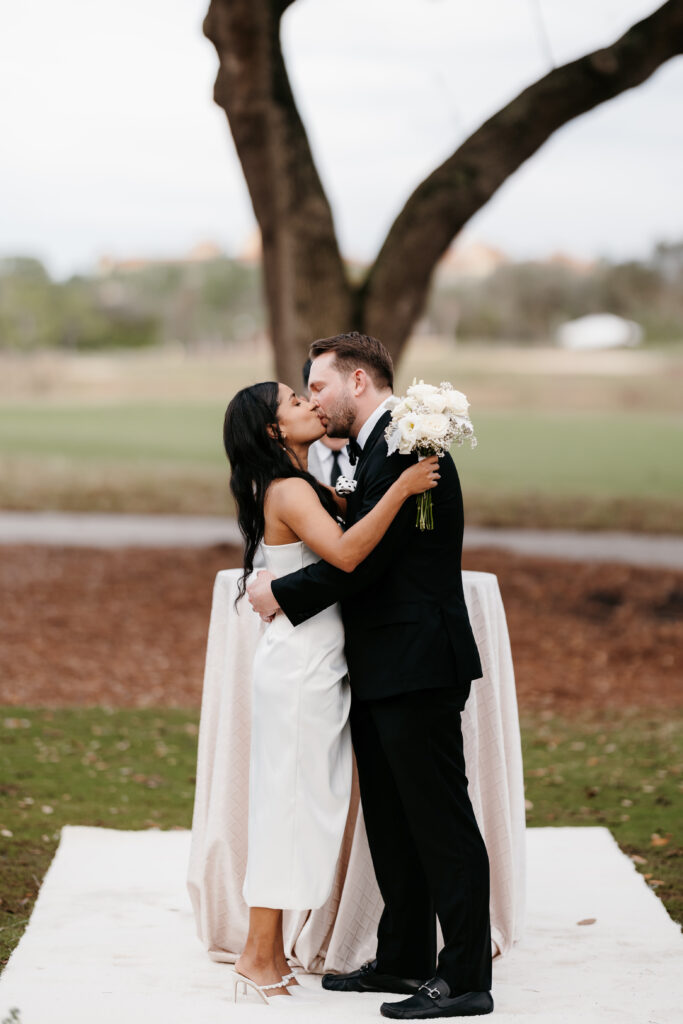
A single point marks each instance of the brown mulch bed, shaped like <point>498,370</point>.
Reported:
<point>128,628</point>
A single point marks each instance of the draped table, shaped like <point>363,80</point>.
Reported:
<point>342,934</point>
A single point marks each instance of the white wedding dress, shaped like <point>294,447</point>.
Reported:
<point>301,761</point>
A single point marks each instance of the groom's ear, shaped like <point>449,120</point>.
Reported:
<point>360,381</point>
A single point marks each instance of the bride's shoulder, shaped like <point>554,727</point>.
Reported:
<point>290,488</point>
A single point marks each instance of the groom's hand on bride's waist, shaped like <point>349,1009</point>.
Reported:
<point>261,596</point>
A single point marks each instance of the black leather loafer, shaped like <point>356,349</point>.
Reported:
<point>433,999</point>
<point>366,979</point>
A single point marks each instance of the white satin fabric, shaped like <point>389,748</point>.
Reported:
<point>300,761</point>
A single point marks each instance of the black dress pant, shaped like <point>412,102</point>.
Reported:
<point>427,851</point>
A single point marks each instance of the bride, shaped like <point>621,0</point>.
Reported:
<point>300,759</point>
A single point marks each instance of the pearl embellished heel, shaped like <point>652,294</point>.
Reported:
<point>246,983</point>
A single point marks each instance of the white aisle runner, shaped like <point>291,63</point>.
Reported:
<point>112,941</point>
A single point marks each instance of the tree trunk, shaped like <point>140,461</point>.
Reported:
<point>308,293</point>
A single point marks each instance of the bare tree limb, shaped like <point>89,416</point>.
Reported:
<point>306,286</point>
<point>397,284</point>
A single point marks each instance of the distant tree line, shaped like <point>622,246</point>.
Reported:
<point>208,303</point>
<point>215,303</point>
<point>527,301</point>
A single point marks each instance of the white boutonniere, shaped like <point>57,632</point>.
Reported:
<point>345,486</point>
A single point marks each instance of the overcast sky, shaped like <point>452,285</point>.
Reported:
<point>111,142</point>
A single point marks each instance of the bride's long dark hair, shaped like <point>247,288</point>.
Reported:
<point>258,455</point>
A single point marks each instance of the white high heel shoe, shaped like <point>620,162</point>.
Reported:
<point>246,983</point>
<point>298,991</point>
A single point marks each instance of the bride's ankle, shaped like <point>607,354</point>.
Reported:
<point>252,964</point>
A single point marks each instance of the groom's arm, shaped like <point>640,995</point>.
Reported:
<point>308,591</point>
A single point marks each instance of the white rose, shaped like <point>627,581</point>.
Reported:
<point>456,402</point>
<point>432,425</point>
<point>436,402</point>
<point>421,390</point>
<point>402,408</point>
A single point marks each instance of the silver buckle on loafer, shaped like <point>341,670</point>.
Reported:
<point>433,993</point>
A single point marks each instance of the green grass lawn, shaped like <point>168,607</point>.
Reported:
<point>148,433</point>
<point>617,455</point>
<point>135,770</point>
<point>582,453</point>
<point>582,440</point>
<point>532,468</point>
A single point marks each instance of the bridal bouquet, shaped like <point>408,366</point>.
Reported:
<point>428,420</point>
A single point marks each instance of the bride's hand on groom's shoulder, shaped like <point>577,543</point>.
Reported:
<point>261,596</point>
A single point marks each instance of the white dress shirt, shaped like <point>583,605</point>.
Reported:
<point>321,460</point>
<point>369,425</point>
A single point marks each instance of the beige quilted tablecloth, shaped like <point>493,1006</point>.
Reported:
<point>341,934</point>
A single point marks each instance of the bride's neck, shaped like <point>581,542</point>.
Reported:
<point>301,452</point>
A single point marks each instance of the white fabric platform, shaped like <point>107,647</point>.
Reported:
<point>112,940</point>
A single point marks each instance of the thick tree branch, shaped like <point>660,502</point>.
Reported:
<point>307,291</point>
<point>397,285</point>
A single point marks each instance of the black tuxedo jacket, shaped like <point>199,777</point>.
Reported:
<point>404,613</point>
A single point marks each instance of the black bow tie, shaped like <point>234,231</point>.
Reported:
<point>354,450</point>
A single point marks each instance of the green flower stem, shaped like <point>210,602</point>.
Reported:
<point>425,511</point>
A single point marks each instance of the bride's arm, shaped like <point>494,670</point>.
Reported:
<point>295,503</point>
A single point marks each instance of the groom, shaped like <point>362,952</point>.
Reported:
<point>411,657</point>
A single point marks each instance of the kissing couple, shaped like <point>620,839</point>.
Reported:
<point>368,643</point>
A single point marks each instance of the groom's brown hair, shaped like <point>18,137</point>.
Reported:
<point>355,350</point>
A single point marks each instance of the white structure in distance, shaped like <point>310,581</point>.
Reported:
<point>599,331</point>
